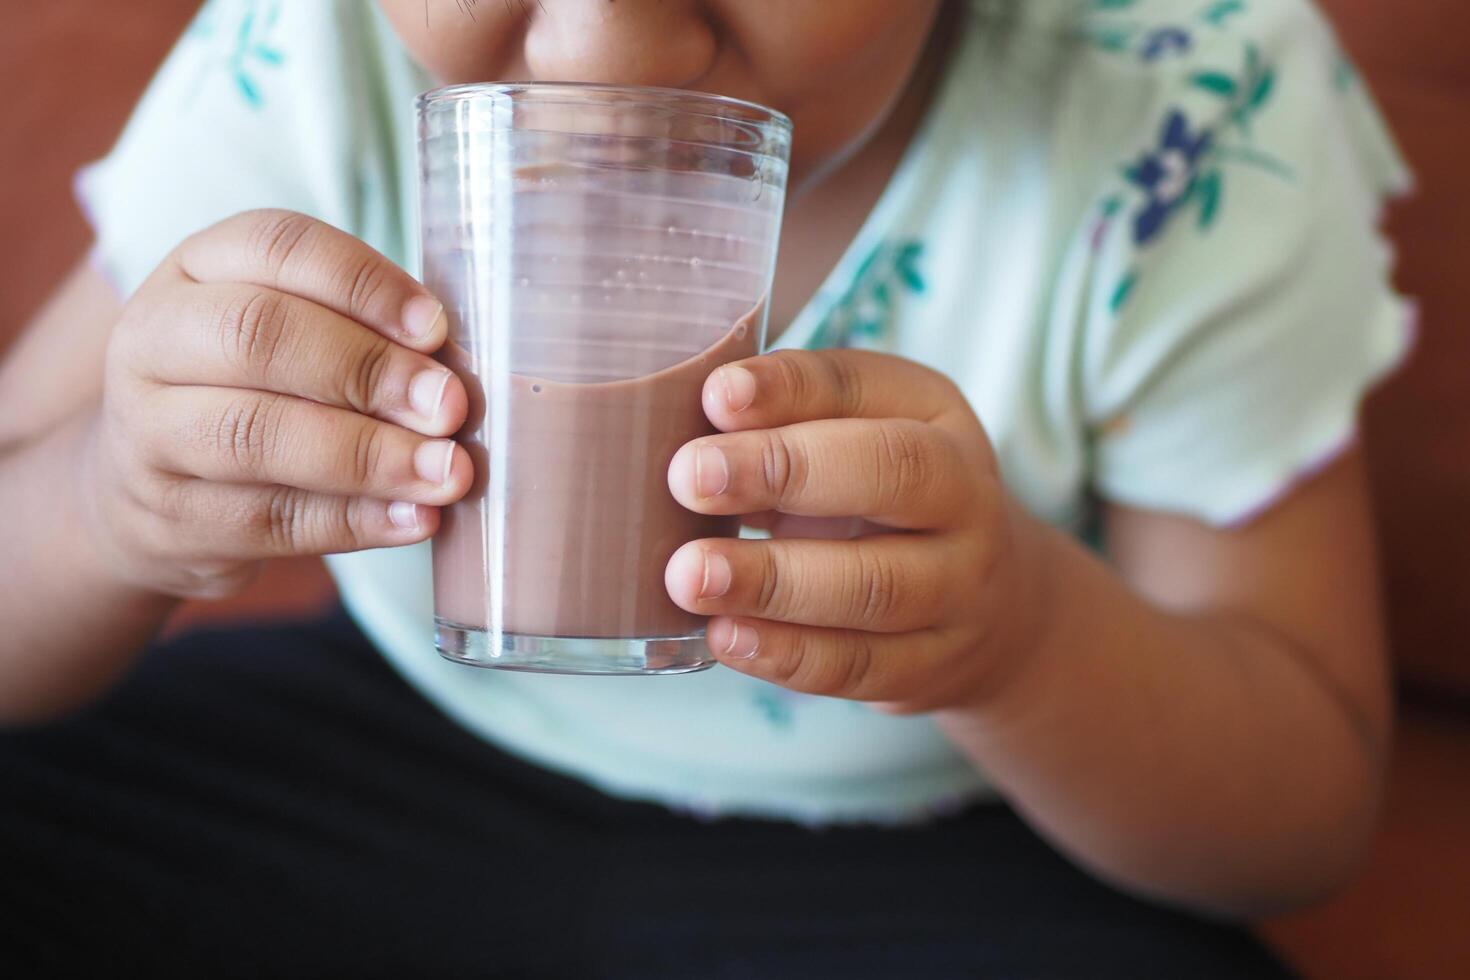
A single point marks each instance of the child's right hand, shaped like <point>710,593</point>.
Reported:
<point>267,393</point>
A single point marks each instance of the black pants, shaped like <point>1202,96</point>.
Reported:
<point>277,803</point>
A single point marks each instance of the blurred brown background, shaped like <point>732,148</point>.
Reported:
<point>72,75</point>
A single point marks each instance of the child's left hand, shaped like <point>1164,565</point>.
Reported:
<point>933,609</point>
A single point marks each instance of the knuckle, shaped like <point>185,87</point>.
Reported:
<point>276,238</point>
<point>906,460</point>
<point>298,522</point>
<point>784,471</point>
<point>875,592</point>
<point>351,529</point>
<point>789,669</point>
<point>362,383</point>
<point>251,326</point>
<point>794,376</point>
<point>368,450</point>
<point>830,664</point>
<point>245,431</point>
<point>771,583</point>
<point>365,277</point>
<point>854,668</point>
<point>284,520</point>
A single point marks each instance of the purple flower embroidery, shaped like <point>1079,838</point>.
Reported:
<point>1167,176</point>
<point>1166,41</point>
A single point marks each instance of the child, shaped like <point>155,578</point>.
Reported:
<point>1077,301</point>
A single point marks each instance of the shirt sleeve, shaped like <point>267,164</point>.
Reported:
<point>261,103</point>
<point>1242,301</point>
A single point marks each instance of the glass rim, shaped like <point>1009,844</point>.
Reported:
<point>687,100</point>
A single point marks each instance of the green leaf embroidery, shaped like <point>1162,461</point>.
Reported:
<point>908,267</point>
<point>867,265</point>
<point>1124,290</point>
<point>1217,82</point>
<point>866,308</point>
<point>253,49</point>
<point>775,709</point>
<point>248,90</point>
<point>1241,116</point>
<point>1209,190</point>
<point>1263,89</point>
<point>1218,13</point>
<point>1244,95</point>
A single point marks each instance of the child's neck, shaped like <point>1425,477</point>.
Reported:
<point>821,223</point>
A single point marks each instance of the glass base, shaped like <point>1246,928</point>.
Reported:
<point>573,654</point>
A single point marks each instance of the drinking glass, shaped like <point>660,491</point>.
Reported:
<point>600,251</point>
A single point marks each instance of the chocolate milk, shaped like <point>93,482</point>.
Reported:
<point>580,537</point>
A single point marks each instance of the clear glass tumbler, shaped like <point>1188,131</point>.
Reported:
<point>600,251</point>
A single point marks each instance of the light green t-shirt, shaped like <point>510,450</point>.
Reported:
<point>1139,235</point>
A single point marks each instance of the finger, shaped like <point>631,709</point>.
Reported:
<point>889,583</point>
<point>297,254</point>
<point>247,522</point>
<point>230,435</point>
<point>258,337</point>
<point>786,387</point>
<point>897,472</point>
<point>899,669</point>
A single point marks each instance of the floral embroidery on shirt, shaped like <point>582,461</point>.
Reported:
<point>776,705</point>
<point>1221,11</point>
<point>247,47</point>
<point>1154,42</point>
<point>1166,41</point>
<point>865,312</point>
<point>1184,170</point>
<point>1169,175</point>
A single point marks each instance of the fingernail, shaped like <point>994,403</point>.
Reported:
<point>426,392</point>
<point>711,471</point>
<point>433,461</point>
<point>421,316</point>
<point>739,385</point>
<point>743,643</point>
<point>404,515</point>
<point>716,576</point>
